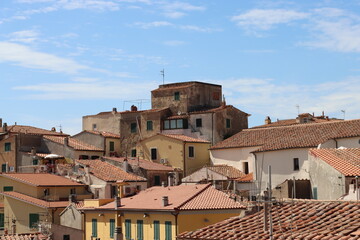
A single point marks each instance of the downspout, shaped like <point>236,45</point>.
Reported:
<point>184,158</point>
<point>84,226</point>
<point>175,214</point>
<point>336,143</point>
<point>212,129</point>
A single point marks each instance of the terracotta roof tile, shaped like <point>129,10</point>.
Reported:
<point>24,236</point>
<point>35,201</point>
<point>184,138</point>
<point>228,171</point>
<point>32,130</point>
<point>142,163</point>
<point>346,161</point>
<point>41,179</point>
<point>212,110</point>
<point>180,85</point>
<point>128,111</point>
<point>74,143</point>
<point>297,220</point>
<point>183,197</point>
<point>296,136</point>
<point>104,134</point>
<point>109,172</point>
<point>247,178</point>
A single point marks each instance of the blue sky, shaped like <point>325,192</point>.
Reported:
<point>63,59</point>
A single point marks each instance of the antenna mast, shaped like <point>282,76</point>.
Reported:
<point>343,111</point>
<point>162,73</point>
<point>298,108</point>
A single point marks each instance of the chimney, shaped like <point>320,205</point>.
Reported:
<point>125,165</point>
<point>53,129</point>
<point>165,200</point>
<point>114,110</point>
<point>66,141</point>
<point>0,122</point>
<point>163,184</point>
<point>267,120</point>
<point>5,127</point>
<point>33,151</point>
<point>72,198</point>
<point>133,108</point>
<point>117,202</point>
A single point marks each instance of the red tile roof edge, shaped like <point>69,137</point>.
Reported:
<point>7,175</point>
<point>191,198</point>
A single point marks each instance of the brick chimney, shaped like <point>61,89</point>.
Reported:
<point>165,200</point>
<point>267,120</point>
<point>114,110</point>
<point>133,108</point>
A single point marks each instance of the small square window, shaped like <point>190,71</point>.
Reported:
<point>149,125</point>
<point>133,127</point>
<point>94,127</point>
<point>296,164</point>
<point>198,122</point>
<point>177,96</point>
<point>7,147</point>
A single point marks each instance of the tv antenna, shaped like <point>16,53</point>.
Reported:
<point>343,111</point>
<point>162,73</point>
<point>298,108</point>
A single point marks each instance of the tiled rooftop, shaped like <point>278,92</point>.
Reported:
<point>346,161</point>
<point>296,136</point>
<point>41,179</point>
<point>32,130</point>
<point>128,111</point>
<point>183,197</point>
<point>108,172</point>
<point>212,110</point>
<point>287,122</point>
<point>179,85</point>
<point>300,220</point>
<point>35,201</point>
<point>184,138</point>
<point>24,236</point>
<point>228,171</point>
<point>142,163</point>
<point>104,134</point>
<point>74,143</point>
<point>247,178</point>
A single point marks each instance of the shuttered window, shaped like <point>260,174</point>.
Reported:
<point>140,230</point>
<point>156,230</point>
<point>127,229</point>
<point>168,232</point>
<point>112,228</point>
<point>94,227</point>
<point>33,220</point>
<point>1,221</point>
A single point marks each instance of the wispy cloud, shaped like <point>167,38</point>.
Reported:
<point>199,29</point>
<point>26,57</point>
<point>86,90</point>
<point>147,25</point>
<point>156,24</point>
<point>25,36</point>
<point>174,43</point>
<point>265,19</point>
<point>179,9</point>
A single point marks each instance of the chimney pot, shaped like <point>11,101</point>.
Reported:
<point>165,200</point>
<point>5,127</point>
<point>114,110</point>
<point>0,122</point>
<point>267,120</point>
<point>53,129</point>
<point>125,165</point>
<point>133,108</point>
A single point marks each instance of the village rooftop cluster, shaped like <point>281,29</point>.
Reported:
<point>188,168</point>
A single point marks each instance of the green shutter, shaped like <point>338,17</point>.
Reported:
<point>140,230</point>
<point>112,228</point>
<point>168,232</point>
<point>33,220</point>
<point>149,125</point>
<point>7,147</point>
<point>133,127</point>
<point>127,229</point>
<point>1,221</point>
<point>177,96</point>
<point>112,146</point>
<point>315,193</point>
<point>133,152</point>
<point>3,167</point>
<point>94,227</point>
<point>156,230</point>
<point>8,188</point>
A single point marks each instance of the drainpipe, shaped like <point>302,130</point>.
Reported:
<point>175,214</point>
<point>184,158</point>
<point>336,143</point>
<point>212,129</point>
<point>84,225</point>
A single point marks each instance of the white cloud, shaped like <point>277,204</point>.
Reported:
<point>88,4</point>
<point>26,57</point>
<point>179,9</point>
<point>87,90</point>
<point>199,29</point>
<point>174,43</point>
<point>153,24</point>
<point>265,19</point>
<point>25,36</point>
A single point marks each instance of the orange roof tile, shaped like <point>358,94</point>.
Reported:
<point>247,178</point>
<point>108,172</point>
<point>41,179</point>
<point>291,220</point>
<point>212,110</point>
<point>296,136</point>
<point>180,85</point>
<point>346,161</point>
<point>104,134</point>
<point>183,197</point>
<point>142,163</point>
<point>184,138</point>
<point>32,130</point>
<point>228,171</point>
<point>74,143</point>
<point>35,201</point>
<point>24,236</point>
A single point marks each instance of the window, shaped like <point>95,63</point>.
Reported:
<point>216,96</point>
<point>176,96</point>
<point>176,124</point>
<point>7,147</point>
<point>83,157</point>
<point>46,192</point>
<point>72,190</point>
<point>246,167</point>
<point>94,127</point>
<point>113,191</point>
<point>168,232</point>
<point>133,127</point>
<point>94,157</point>
<point>140,230</point>
<point>153,154</point>
<point>133,152</point>
<point>191,151</point>
<point>33,220</point>
<point>198,122</point>
<point>315,193</point>
<point>3,167</point>
<point>296,164</point>
<point>8,188</point>
<point>149,125</point>
<point>156,230</point>
<point>66,237</point>
<point>127,229</point>
<point>112,146</point>
<point>157,181</point>
<point>94,227</point>
<point>1,221</point>
<point>112,228</point>
<point>35,162</point>
<point>228,123</point>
